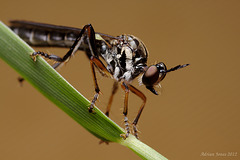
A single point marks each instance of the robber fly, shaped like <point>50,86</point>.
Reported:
<point>123,58</point>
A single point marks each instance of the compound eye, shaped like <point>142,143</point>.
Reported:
<point>151,76</point>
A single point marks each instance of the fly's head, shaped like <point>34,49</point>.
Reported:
<point>154,74</point>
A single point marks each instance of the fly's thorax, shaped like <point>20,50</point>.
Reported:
<point>125,57</point>
<point>137,47</point>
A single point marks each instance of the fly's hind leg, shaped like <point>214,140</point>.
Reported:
<point>89,34</point>
<point>73,49</point>
<point>67,56</point>
<point>52,57</point>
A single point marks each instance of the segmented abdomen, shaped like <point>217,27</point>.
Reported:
<point>41,37</point>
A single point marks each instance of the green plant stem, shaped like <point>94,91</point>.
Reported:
<point>52,85</point>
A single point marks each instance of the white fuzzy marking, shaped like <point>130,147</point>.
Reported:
<point>127,76</point>
<point>116,73</point>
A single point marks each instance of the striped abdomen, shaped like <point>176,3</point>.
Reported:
<point>38,37</point>
<point>38,34</point>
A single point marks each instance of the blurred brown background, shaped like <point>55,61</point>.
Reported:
<point>195,117</point>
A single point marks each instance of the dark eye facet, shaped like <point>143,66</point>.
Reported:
<point>151,76</point>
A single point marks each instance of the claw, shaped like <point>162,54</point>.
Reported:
<point>34,57</point>
<point>102,141</point>
<point>90,109</point>
<point>135,131</point>
<point>124,136</point>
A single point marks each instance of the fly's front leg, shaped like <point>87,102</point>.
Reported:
<point>125,110</point>
<point>143,97</point>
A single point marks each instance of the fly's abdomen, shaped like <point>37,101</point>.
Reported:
<point>41,37</point>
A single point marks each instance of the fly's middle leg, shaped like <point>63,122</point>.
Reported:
<point>94,61</point>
